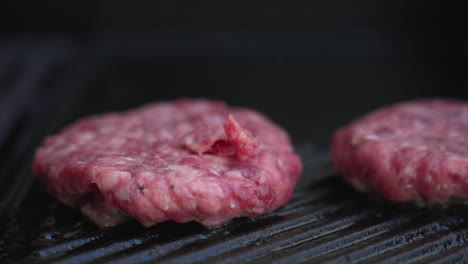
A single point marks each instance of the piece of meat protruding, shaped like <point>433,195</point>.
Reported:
<point>237,141</point>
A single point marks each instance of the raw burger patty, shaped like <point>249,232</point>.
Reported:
<point>408,151</point>
<point>185,160</point>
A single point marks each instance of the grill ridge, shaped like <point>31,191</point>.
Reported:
<point>349,237</point>
<point>376,249</point>
<point>261,232</point>
<point>308,231</point>
<point>430,246</point>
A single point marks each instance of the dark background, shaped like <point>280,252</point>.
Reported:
<point>311,66</point>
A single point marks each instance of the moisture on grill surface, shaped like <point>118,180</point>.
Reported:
<point>325,222</point>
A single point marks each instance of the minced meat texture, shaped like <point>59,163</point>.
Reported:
<point>188,160</point>
<point>409,151</point>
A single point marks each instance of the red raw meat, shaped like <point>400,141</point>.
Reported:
<point>408,151</point>
<point>185,160</point>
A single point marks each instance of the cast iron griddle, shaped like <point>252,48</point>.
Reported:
<point>326,221</point>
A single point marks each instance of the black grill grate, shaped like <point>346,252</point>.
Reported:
<point>326,222</point>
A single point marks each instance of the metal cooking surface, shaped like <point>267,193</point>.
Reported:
<point>326,221</point>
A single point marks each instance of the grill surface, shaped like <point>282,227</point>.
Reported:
<point>326,222</point>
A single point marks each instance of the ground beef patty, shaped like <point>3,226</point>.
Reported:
<point>185,160</point>
<point>408,151</point>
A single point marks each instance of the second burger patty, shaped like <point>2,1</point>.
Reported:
<point>409,151</point>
